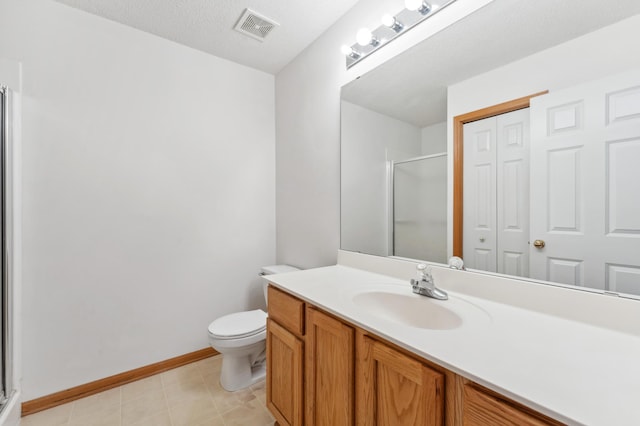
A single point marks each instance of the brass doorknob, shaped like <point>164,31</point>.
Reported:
<point>538,244</point>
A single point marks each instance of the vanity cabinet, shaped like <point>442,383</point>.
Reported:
<point>329,371</point>
<point>322,370</point>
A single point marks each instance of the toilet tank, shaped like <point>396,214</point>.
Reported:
<point>274,269</point>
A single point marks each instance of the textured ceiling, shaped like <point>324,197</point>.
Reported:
<point>413,86</point>
<point>207,25</point>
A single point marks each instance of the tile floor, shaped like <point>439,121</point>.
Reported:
<point>186,396</point>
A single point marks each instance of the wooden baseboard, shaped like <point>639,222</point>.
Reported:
<point>68,395</point>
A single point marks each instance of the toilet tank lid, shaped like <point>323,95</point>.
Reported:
<point>278,269</point>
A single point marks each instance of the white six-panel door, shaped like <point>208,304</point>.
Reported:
<point>585,184</point>
<point>496,194</point>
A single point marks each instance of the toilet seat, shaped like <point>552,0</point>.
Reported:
<point>239,325</point>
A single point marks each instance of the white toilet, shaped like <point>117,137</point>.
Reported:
<point>241,339</point>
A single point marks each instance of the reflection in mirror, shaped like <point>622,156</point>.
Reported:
<point>419,207</point>
<point>394,186</point>
<point>548,192</point>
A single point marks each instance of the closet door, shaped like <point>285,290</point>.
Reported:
<point>479,199</point>
<point>585,154</point>
<point>512,221</point>
<point>496,194</point>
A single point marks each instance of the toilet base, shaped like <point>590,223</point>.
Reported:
<point>237,372</point>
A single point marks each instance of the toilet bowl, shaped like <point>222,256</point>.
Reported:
<point>241,339</point>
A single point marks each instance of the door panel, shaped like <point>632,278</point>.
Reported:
<point>284,375</point>
<point>623,175</point>
<point>512,222</point>
<point>479,224</point>
<point>329,371</point>
<point>394,389</point>
<point>585,203</point>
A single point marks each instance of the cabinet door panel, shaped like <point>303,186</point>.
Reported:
<point>394,389</point>
<point>284,375</point>
<point>481,409</point>
<point>329,371</point>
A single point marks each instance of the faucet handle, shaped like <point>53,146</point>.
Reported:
<point>424,272</point>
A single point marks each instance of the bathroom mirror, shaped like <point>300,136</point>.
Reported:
<point>407,126</point>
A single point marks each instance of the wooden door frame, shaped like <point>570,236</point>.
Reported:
<point>458,156</point>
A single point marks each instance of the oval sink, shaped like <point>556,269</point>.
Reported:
<point>409,310</point>
<point>399,305</point>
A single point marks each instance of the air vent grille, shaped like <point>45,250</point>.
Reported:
<point>255,25</point>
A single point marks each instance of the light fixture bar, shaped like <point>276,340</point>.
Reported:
<point>367,42</point>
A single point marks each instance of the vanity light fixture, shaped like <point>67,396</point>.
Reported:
<point>368,41</point>
<point>391,22</point>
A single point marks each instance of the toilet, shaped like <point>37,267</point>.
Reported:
<point>241,339</point>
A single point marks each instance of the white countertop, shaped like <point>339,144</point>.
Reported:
<point>573,371</point>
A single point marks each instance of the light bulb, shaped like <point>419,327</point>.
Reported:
<point>391,22</point>
<point>364,36</point>
<point>412,4</point>
<point>388,20</point>
<point>346,50</point>
<point>420,5</point>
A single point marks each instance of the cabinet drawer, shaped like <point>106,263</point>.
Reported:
<point>287,310</point>
<point>482,408</point>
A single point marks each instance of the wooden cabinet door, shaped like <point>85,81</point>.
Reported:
<point>481,408</point>
<point>395,389</point>
<point>284,375</point>
<point>329,371</point>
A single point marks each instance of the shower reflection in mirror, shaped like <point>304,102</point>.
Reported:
<point>394,186</point>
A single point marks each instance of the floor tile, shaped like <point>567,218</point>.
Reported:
<point>186,373</point>
<point>179,393</point>
<point>160,419</point>
<point>214,421</point>
<point>139,388</point>
<point>190,395</point>
<point>251,413</point>
<point>226,401</point>
<point>192,412</point>
<point>139,409</point>
<point>56,416</point>
<point>109,415</point>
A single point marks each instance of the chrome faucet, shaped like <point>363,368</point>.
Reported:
<point>425,286</point>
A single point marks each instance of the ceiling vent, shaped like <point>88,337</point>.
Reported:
<point>255,25</point>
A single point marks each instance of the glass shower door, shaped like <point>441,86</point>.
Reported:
<point>420,208</point>
<point>4,290</point>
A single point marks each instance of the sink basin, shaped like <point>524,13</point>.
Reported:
<point>398,304</point>
<point>409,310</point>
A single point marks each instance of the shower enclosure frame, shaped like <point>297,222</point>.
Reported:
<point>6,338</point>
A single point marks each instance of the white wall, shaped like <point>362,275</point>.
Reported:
<point>308,128</point>
<point>607,51</point>
<point>369,140</point>
<point>148,193</point>
<point>434,138</point>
